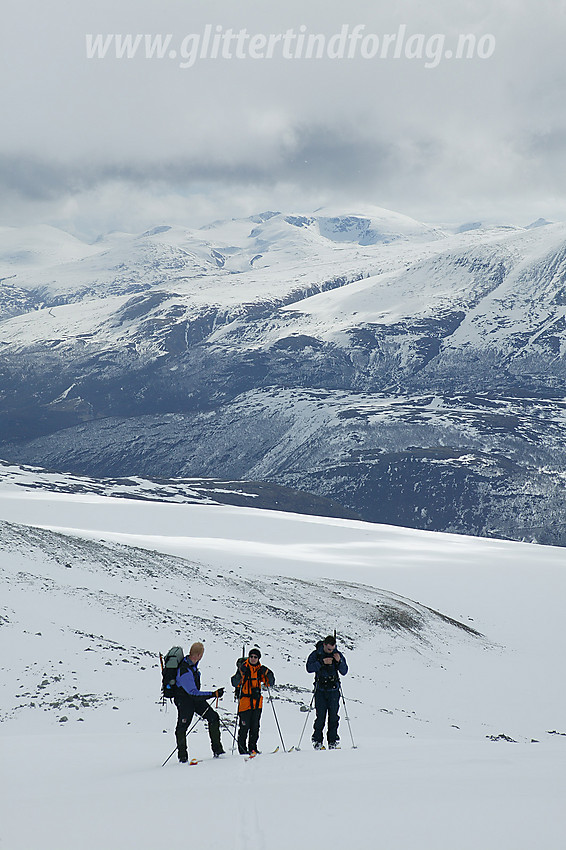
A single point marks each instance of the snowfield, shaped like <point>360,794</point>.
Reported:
<point>455,692</point>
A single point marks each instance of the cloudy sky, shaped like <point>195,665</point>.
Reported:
<point>94,144</point>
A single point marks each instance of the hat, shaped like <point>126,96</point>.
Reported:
<point>254,651</point>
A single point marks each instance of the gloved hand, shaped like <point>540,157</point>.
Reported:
<point>219,693</point>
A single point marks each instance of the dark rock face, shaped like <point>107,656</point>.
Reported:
<point>448,414</point>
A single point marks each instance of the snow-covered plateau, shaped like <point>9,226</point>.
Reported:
<point>455,692</point>
<point>408,374</point>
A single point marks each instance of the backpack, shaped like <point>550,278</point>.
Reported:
<point>327,676</point>
<point>169,666</point>
<point>238,688</point>
<point>327,679</point>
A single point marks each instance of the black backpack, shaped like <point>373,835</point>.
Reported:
<point>327,679</point>
<point>238,677</point>
<point>327,676</point>
<point>169,666</point>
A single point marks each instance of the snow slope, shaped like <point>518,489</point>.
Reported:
<point>200,264</point>
<point>490,277</point>
<point>27,249</point>
<point>452,643</point>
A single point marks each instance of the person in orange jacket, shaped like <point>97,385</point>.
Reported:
<point>248,680</point>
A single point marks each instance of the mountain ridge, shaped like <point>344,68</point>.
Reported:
<point>474,315</point>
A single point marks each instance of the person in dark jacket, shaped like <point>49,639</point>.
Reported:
<point>326,662</point>
<point>190,700</point>
<point>248,680</point>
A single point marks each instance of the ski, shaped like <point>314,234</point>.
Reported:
<point>272,752</point>
<point>251,756</point>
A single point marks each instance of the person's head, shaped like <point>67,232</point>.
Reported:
<point>329,644</point>
<point>254,656</point>
<point>196,652</point>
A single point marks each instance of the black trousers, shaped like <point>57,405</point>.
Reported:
<point>326,703</point>
<point>248,733</point>
<point>187,707</point>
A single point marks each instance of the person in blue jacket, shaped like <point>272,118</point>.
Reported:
<point>190,700</point>
<point>326,663</point>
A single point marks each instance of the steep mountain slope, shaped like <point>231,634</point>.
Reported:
<point>413,376</point>
<point>496,466</point>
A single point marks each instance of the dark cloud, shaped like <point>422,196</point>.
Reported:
<point>317,156</point>
<point>547,143</point>
<point>33,178</point>
<point>37,179</point>
<point>322,155</point>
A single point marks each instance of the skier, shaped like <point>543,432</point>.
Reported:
<point>248,680</point>
<point>326,663</point>
<point>190,700</point>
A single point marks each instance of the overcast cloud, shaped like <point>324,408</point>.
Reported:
<point>98,144</point>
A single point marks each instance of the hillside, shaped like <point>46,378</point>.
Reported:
<point>452,694</point>
<point>412,375</point>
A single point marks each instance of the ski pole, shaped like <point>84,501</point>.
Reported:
<point>236,698</point>
<point>162,662</point>
<point>276,720</point>
<point>188,732</point>
<point>234,733</point>
<point>346,714</point>
<point>227,728</point>
<point>168,757</point>
<point>194,724</point>
<point>220,720</point>
<point>305,723</point>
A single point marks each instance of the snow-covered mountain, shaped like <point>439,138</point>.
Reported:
<point>411,374</point>
<point>453,698</point>
<point>27,249</point>
<point>63,269</point>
